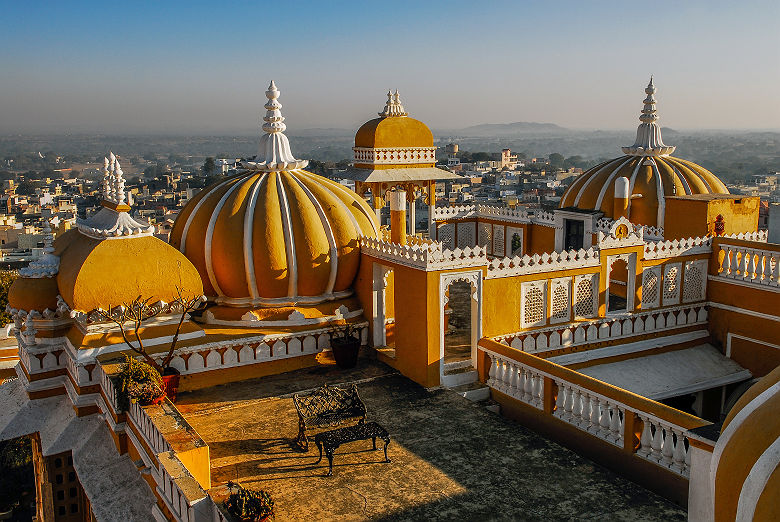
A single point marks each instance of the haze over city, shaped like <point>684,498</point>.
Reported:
<point>194,68</point>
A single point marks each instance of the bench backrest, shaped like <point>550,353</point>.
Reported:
<point>330,400</point>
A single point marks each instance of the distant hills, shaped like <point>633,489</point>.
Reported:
<point>519,128</point>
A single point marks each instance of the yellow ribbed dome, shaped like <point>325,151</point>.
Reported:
<point>653,175</point>
<point>651,180</point>
<point>274,238</point>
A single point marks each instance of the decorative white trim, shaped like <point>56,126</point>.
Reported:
<point>547,262</point>
<point>630,260</point>
<point>249,221</point>
<point>755,483</point>
<point>289,240</point>
<point>525,288</point>
<point>282,301</point>
<point>734,425</point>
<point>670,290</point>
<point>110,224</point>
<point>565,284</point>
<point>731,335</point>
<point>394,155</point>
<point>480,210</point>
<point>744,311</point>
<point>648,135</point>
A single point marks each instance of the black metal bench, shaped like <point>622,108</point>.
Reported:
<point>326,407</point>
<point>330,440</point>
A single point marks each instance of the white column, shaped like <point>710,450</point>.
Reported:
<point>412,218</point>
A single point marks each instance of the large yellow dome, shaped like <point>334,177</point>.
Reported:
<point>651,180</point>
<point>274,238</point>
<point>653,175</point>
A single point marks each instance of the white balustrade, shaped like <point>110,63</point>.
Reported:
<point>752,265</point>
<point>513,215</point>
<point>590,412</point>
<point>517,380</point>
<point>107,385</point>
<point>151,435</point>
<point>424,255</point>
<point>585,332</point>
<point>678,247</point>
<point>664,444</point>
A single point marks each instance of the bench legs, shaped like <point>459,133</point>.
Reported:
<point>301,440</point>
<point>387,442</point>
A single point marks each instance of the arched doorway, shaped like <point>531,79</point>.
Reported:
<point>618,286</point>
<point>457,322</point>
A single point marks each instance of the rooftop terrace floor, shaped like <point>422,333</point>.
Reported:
<point>451,458</point>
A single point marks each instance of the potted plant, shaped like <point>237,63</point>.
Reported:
<point>248,505</point>
<point>345,344</point>
<point>132,316</point>
<point>139,381</point>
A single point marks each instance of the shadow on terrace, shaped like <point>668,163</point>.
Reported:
<point>450,458</point>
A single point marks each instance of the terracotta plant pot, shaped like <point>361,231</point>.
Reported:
<point>170,379</point>
<point>345,351</point>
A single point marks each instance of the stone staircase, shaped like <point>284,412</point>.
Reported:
<point>461,377</point>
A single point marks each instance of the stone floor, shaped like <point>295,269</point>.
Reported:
<point>451,458</point>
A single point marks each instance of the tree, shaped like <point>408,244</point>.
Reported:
<point>556,160</point>
<point>480,156</point>
<point>7,277</point>
<point>135,314</point>
<point>27,188</point>
<point>209,167</point>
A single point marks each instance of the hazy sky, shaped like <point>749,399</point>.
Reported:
<point>202,67</point>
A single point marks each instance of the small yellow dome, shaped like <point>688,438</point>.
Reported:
<point>33,294</point>
<point>396,132</point>
<point>274,239</point>
<point>98,273</point>
<point>651,180</point>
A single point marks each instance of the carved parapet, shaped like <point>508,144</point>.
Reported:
<point>512,266</point>
<point>424,255</point>
<point>678,247</point>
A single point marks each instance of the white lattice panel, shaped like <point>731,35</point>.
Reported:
<point>533,307</point>
<point>485,235</point>
<point>671,288</point>
<point>695,281</point>
<point>446,234</point>
<point>467,235</point>
<point>586,296</point>
<point>498,241</point>
<point>651,287</point>
<point>560,300</point>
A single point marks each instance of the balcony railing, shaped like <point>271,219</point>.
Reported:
<point>599,409</point>
<point>752,265</point>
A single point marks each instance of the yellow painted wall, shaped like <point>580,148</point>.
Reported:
<point>693,217</point>
<point>197,462</point>
<point>539,239</point>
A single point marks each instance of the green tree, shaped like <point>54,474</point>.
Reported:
<point>7,278</point>
<point>27,188</point>
<point>556,160</point>
<point>209,167</point>
<point>480,156</point>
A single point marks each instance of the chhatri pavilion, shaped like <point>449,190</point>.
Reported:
<point>615,357</point>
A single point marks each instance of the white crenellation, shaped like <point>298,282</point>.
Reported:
<point>425,256</point>
<point>527,264</point>
<point>678,247</point>
<point>499,213</point>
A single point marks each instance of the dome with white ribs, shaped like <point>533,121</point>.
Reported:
<point>271,237</point>
<point>652,173</point>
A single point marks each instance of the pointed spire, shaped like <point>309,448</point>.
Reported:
<point>48,265</point>
<point>274,152</point>
<point>48,237</point>
<point>119,185</point>
<point>648,135</point>
<point>393,105</point>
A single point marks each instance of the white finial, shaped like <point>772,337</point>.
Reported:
<point>648,135</point>
<point>119,185</point>
<point>48,237</point>
<point>106,180</point>
<point>393,105</point>
<point>274,152</point>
